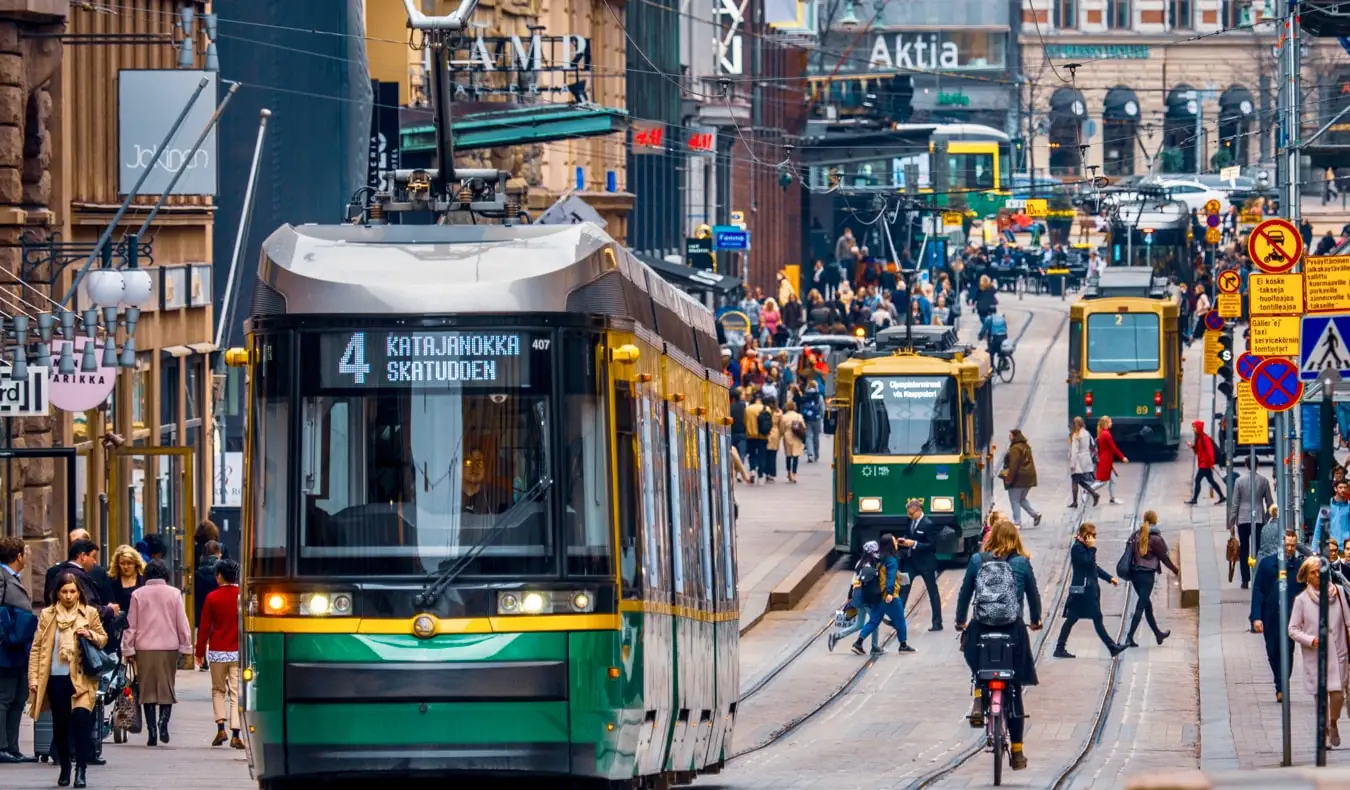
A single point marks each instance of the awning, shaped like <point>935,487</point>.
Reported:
<point>1068,104</point>
<point>1183,102</point>
<point>1236,104</point>
<point>1121,104</point>
<point>177,351</point>
<point>202,348</point>
<point>691,278</point>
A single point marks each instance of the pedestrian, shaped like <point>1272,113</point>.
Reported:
<point>793,427</point>
<point>157,633</point>
<point>1085,592</point>
<point>1107,455</point>
<point>1081,467</point>
<point>1206,455</point>
<point>813,412</point>
<point>204,579</point>
<point>1304,625</point>
<point>773,439</point>
<point>128,575</point>
<point>1265,614</point>
<point>1251,494</point>
<point>56,678</point>
<point>920,543</point>
<point>218,647</point>
<point>17,628</point>
<point>885,593</point>
<point>758,426</point>
<point>738,434</point>
<point>1147,553</point>
<point>997,581</point>
<point>82,563</point>
<point>861,596</point>
<point>1335,519</point>
<point>1019,476</point>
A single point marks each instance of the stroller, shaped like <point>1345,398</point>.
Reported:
<point>113,687</point>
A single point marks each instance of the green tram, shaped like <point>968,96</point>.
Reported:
<point>913,420</point>
<point>488,524</point>
<point>1125,358</point>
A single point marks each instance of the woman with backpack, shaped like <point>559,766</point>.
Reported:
<point>1107,455</point>
<point>793,426</point>
<point>1081,463</point>
<point>1145,554</point>
<point>864,574</point>
<point>1085,592</point>
<point>882,596</point>
<point>997,582</point>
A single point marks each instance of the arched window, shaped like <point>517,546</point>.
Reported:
<point>1179,132</point>
<point>1120,131</point>
<point>1236,112</point>
<point>1068,111</point>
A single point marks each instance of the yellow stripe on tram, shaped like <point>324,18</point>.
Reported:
<point>460,625</point>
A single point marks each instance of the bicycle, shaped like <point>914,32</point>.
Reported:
<point>1005,367</point>
<point>993,679</point>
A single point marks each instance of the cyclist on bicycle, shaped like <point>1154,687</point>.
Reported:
<point>997,581</point>
<point>995,327</point>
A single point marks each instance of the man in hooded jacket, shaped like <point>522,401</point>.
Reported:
<point>1206,454</point>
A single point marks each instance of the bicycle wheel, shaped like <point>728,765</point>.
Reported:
<point>1007,367</point>
<point>999,737</point>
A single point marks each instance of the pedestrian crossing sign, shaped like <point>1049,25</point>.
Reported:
<point>1322,346</point>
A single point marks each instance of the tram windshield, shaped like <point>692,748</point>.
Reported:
<point>1123,343</point>
<point>907,415</point>
<point>416,448</point>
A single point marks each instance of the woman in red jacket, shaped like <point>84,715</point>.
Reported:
<point>1108,452</point>
<point>218,646</point>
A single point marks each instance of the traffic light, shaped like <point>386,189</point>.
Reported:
<point>1225,373</point>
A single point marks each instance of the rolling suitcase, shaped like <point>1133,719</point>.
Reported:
<point>42,736</point>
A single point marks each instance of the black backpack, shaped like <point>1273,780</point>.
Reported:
<point>764,422</point>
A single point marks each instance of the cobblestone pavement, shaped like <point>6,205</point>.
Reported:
<point>187,763</point>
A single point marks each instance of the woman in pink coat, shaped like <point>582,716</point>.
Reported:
<point>1303,629</point>
<point>157,633</point>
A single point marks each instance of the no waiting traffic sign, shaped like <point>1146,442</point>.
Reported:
<point>1246,365</point>
<point>1275,384</point>
<point>1213,321</point>
<point>1229,282</point>
<point>1275,246</point>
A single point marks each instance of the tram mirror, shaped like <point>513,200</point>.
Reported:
<point>829,424</point>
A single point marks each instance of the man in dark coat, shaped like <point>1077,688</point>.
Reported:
<point>97,574</point>
<point>920,539</point>
<point>82,563</point>
<point>1265,614</point>
<point>17,625</point>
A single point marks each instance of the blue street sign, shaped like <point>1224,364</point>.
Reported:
<point>1246,365</point>
<point>1275,384</point>
<point>730,237</point>
<point>1322,345</point>
<point>1213,321</point>
<point>1312,427</point>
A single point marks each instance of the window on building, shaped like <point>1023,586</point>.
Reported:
<point>1232,13</point>
<point>1119,14</point>
<point>1180,14</point>
<point>1066,14</point>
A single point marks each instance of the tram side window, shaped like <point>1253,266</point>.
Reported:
<point>705,509</point>
<point>586,521</point>
<point>971,171</point>
<point>626,456</point>
<point>1075,349</point>
<point>271,451</point>
<point>1123,343</point>
<point>729,582</point>
<point>675,445</point>
<point>984,415</point>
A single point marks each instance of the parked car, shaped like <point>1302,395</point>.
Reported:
<point>1195,194</point>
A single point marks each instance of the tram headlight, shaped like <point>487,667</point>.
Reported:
<point>942,504</point>
<point>869,504</point>
<point>534,603</point>
<point>325,604</point>
<point>545,602</point>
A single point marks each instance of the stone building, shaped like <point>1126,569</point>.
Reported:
<point>60,68</point>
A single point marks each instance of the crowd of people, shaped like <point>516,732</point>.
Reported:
<point>59,656</point>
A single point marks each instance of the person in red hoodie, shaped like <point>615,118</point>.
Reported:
<point>1204,463</point>
<point>218,647</point>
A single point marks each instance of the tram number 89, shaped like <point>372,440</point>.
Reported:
<point>1141,410</point>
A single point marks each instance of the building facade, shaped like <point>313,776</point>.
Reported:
<point>1133,87</point>
<point>139,435</point>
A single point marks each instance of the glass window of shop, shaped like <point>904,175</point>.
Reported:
<point>141,386</point>
<point>169,375</point>
<point>193,367</point>
<point>978,49</point>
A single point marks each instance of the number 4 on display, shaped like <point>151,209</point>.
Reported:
<point>354,358</point>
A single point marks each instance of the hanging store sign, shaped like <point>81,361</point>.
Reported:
<point>385,140</point>
<point>912,50</point>
<point>703,141</point>
<point>511,65</point>
<point>382,359</point>
<point>24,398</point>
<point>728,19</point>
<point>79,391</point>
<point>148,103</point>
<point>649,138</point>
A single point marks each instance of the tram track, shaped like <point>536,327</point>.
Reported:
<point>765,680</point>
<point>1064,778</point>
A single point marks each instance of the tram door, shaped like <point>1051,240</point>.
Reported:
<point>152,490</point>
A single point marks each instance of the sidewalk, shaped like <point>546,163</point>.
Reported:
<point>785,532</point>
<point>187,763</point>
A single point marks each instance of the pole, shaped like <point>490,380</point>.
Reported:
<point>228,303</point>
<point>135,190</point>
<point>1199,132</point>
<point>201,138</point>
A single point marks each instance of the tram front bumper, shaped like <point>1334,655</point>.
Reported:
<point>1147,430</point>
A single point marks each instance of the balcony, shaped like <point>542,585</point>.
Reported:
<point>734,109</point>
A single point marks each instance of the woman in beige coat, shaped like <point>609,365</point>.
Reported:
<point>1303,627</point>
<point>56,678</point>
<point>793,427</point>
<point>775,440</point>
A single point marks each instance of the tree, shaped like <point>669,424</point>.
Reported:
<point>1171,160</point>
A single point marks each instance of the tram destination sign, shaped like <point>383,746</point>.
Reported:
<point>412,359</point>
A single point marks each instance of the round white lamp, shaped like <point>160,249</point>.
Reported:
<point>106,287</point>
<point>136,287</point>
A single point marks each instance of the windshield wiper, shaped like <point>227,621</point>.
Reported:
<point>923,452</point>
<point>513,517</point>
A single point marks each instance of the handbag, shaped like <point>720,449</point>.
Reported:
<point>1125,564</point>
<point>93,660</point>
<point>1233,551</point>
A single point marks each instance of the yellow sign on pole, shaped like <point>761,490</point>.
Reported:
<point>1253,421</point>
<point>953,218</point>
<point>1275,336</point>
<point>1230,305</point>
<point>1037,207</point>
<point>1213,235</point>
<point>1275,294</point>
<point>1212,349</point>
<point>1326,283</point>
<point>1249,218</point>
